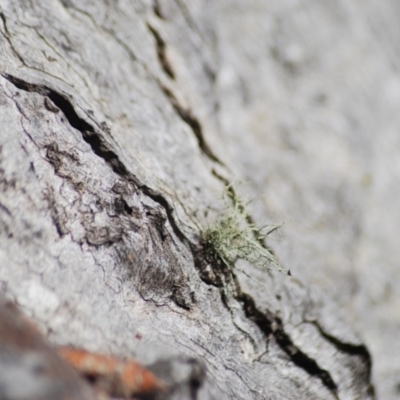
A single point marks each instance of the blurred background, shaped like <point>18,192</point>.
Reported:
<point>309,113</point>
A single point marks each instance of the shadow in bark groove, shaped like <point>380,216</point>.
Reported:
<point>272,325</point>
<point>213,271</point>
<point>359,350</point>
<point>99,146</point>
<point>161,52</point>
<point>190,119</point>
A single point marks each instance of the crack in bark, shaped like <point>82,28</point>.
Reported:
<point>266,322</point>
<point>157,9</point>
<point>272,325</point>
<point>186,114</point>
<point>99,146</point>
<point>349,348</point>
<point>193,122</point>
<point>161,52</point>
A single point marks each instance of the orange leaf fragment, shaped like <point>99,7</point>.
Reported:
<point>113,375</point>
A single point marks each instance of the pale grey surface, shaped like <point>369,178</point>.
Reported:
<point>299,99</point>
<point>314,88</point>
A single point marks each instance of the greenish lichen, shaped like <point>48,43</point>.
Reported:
<point>234,237</point>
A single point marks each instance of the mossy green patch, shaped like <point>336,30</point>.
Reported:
<point>234,237</point>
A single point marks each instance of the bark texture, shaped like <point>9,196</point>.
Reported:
<point>121,124</point>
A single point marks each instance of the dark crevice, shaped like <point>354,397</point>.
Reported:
<point>212,270</point>
<point>157,9</point>
<point>350,348</point>
<point>272,325</point>
<point>126,207</point>
<point>158,198</point>
<point>99,146</point>
<point>268,323</point>
<point>188,117</point>
<point>161,52</point>
<point>252,313</point>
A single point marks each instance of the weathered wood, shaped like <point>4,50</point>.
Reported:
<point>121,124</point>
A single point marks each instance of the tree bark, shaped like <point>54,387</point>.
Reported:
<point>122,123</point>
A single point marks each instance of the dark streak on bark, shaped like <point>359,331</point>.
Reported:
<point>349,348</point>
<point>157,9</point>
<point>272,325</point>
<point>209,265</point>
<point>161,52</point>
<point>193,122</point>
<point>97,143</point>
<point>98,146</point>
<point>352,349</point>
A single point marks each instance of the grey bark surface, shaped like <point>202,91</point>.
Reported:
<point>121,124</point>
